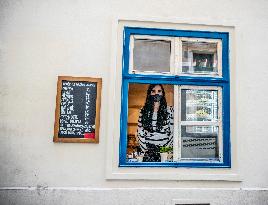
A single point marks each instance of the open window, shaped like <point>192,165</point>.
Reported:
<point>175,99</point>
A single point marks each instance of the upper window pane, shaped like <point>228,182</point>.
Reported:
<point>199,57</point>
<point>151,55</point>
<point>199,105</point>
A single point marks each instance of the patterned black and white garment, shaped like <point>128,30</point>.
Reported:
<point>151,141</point>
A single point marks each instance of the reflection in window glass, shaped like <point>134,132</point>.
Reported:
<point>151,55</point>
<point>150,123</point>
<point>199,57</point>
<point>199,105</point>
<point>199,142</point>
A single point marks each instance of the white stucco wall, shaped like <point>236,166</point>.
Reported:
<point>40,40</point>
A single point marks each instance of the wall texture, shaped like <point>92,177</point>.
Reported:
<point>40,40</point>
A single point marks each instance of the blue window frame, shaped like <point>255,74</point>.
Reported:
<point>181,80</point>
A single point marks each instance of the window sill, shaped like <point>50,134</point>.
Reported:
<point>174,176</point>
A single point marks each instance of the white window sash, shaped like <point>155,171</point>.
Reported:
<point>147,37</point>
<point>219,56</point>
<point>178,123</point>
<point>176,69</point>
<point>176,55</point>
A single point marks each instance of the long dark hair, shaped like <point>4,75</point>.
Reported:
<point>148,109</point>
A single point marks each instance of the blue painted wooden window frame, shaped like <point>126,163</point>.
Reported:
<point>223,82</point>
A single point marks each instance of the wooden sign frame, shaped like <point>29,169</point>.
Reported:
<point>56,137</point>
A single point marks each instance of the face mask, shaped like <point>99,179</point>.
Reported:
<point>156,97</point>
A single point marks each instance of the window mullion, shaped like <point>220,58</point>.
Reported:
<point>220,137</point>
<point>176,130</point>
<point>173,57</point>
<point>178,55</point>
<point>177,106</point>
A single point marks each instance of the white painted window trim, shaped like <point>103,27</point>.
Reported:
<point>112,131</point>
<point>176,130</point>
<point>147,37</point>
<point>219,56</point>
<point>176,55</point>
<point>177,137</point>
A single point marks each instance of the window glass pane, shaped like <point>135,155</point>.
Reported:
<point>151,55</point>
<point>199,142</point>
<point>150,122</point>
<point>199,57</point>
<point>199,105</point>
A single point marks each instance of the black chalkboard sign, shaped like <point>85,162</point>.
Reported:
<point>77,109</point>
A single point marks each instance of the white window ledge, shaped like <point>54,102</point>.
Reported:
<point>173,176</point>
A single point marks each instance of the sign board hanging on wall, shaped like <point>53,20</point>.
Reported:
<point>77,115</point>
